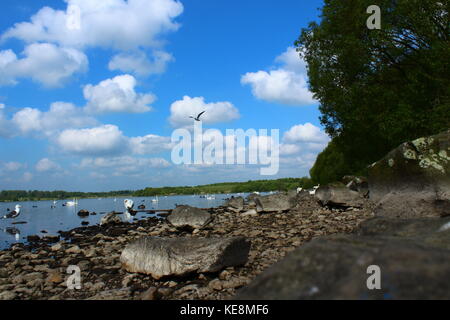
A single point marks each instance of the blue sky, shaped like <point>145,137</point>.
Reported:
<point>91,91</point>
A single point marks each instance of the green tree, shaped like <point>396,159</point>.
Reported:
<point>378,88</point>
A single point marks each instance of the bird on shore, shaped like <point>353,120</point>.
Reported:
<point>13,214</point>
<point>198,117</point>
<point>129,204</point>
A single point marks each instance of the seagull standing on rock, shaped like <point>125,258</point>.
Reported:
<point>13,214</point>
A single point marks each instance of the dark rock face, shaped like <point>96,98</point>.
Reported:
<point>413,256</point>
<point>235,204</point>
<point>161,257</point>
<point>339,196</point>
<point>274,203</point>
<point>413,180</point>
<point>189,217</point>
<point>111,217</point>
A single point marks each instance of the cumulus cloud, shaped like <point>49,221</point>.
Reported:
<point>102,140</point>
<point>150,144</point>
<point>117,24</point>
<point>117,95</point>
<point>46,164</point>
<point>123,165</point>
<point>61,115</point>
<point>139,64</point>
<point>44,63</point>
<point>285,85</point>
<point>306,133</point>
<point>304,139</point>
<point>216,112</point>
<point>12,166</point>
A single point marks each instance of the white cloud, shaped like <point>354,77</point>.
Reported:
<point>12,166</point>
<point>45,63</point>
<point>117,95</point>
<point>61,115</point>
<point>139,64</point>
<point>306,133</point>
<point>124,165</point>
<point>103,140</point>
<point>150,144</point>
<point>46,164</point>
<point>27,176</point>
<point>286,85</point>
<point>181,110</point>
<point>2,106</point>
<point>117,24</point>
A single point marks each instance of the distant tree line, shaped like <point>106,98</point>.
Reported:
<point>21,195</point>
<point>284,184</point>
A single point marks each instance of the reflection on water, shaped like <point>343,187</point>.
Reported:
<point>47,218</point>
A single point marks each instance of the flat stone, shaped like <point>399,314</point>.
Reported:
<point>161,257</point>
<point>189,217</point>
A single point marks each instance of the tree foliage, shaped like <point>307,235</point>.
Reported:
<point>378,88</point>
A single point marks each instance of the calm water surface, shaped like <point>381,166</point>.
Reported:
<point>39,216</point>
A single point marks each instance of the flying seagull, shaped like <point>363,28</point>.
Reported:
<point>198,117</point>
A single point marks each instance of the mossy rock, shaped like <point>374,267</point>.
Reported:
<point>416,173</point>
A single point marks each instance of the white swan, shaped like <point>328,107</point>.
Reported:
<point>129,204</point>
<point>72,203</point>
<point>155,199</point>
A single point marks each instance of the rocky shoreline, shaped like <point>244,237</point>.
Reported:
<point>38,270</point>
<point>396,221</point>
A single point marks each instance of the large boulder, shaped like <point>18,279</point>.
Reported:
<point>413,180</point>
<point>339,196</point>
<point>161,257</point>
<point>111,217</point>
<point>189,217</point>
<point>235,204</point>
<point>336,267</point>
<point>274,203</point>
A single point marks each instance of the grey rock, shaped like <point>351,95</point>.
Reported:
<point>161,257</point>
<point>189,217</point>
<point>111,217</point>
<point>413,180</point>
<point>335,267</point>
<point>235,203</point>
<point>274,203</point>
<point>339,196</point>
<point>358,184</point>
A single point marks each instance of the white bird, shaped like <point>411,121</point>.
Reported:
<point>313,192</point>
<point>299,189</point>
<point>72,203</point>
<point>198,117</point>
<point>155,199</point>
<point>129,204</point>
<point>13,214</point>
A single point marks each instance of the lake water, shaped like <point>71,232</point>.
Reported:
<point>39,216</point>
